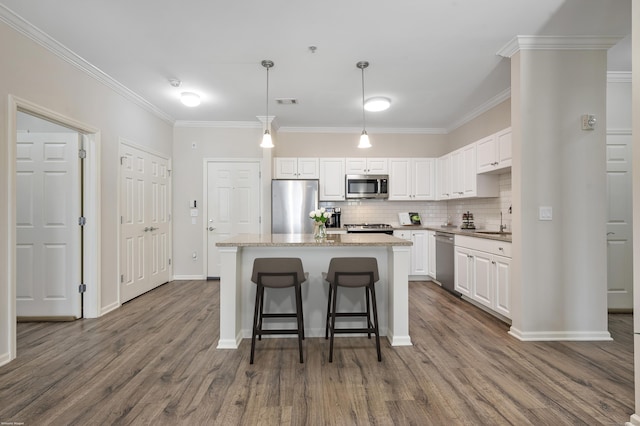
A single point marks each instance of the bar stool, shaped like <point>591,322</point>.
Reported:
<point>277,272</point>
<point>352,272</point>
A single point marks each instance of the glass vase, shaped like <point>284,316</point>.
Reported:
<point>320,231</point>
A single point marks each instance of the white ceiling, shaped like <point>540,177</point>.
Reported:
<point>436,60</point>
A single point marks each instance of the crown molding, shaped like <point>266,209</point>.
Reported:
<point>496,100</point>
<point>358,130</point>
<point>619,77</point>
<point>219,124</point>
<point>524,42</point>
<point>32,32</point>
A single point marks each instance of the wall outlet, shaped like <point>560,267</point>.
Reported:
<point>545,213</point>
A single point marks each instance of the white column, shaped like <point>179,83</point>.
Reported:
<point>231,311</point>
<point>398,296</point>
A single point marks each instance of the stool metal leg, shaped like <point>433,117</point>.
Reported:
<point>326,328</point>
<point>375,321</point>
<point>300,320</point>
<point>333,319</point>
<point>256,316</point>
<point>366,296</point>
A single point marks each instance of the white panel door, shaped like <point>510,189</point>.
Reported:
<point>48,189</point>
<point>619,225</point>
<point>145,223</point>
<point>233,205</point>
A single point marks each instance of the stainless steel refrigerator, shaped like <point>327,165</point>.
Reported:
<point>291,202</point>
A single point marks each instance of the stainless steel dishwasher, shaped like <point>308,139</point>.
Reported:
<point>445,261</point>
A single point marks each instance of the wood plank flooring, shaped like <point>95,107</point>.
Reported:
<point>154,361</point>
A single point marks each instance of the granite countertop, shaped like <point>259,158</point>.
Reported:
<point>478,233</point>
<point>307,240</point>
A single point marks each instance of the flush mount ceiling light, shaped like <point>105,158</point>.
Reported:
<point>377,104</point>
<point>364,137</point>
<point>266,138</point>
<point>190,99</point>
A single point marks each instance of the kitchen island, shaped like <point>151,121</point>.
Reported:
<point>237,292</point>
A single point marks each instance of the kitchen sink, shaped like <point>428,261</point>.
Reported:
<point>494,232</point>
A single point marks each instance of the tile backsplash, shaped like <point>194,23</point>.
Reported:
<point>486,211</point>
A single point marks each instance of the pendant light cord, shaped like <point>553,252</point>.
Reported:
<point>364,127</point>
<point>267,102</point>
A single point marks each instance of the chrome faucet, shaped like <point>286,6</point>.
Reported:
<point>502,227</point>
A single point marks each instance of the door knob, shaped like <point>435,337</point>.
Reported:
<point>211,228</point>
<point>611,233</point>
<point>152,228</point>
<point>146,229</point>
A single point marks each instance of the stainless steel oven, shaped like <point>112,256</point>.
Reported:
<point>367,186</point>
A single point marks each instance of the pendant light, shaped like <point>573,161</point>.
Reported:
<point>266,138</point>
<point>364,137</point>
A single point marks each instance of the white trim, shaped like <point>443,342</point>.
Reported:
<point>634,420</point>
<point>476,112</point>
<point>618,76</point>
<point>544,336</point>
<point>528,42</point>
<point>112,307</point>
<point>91,200</point>
<point>219,124</point>
<point>358,130</point>
<point>40,37</point>
<point>189,277</point>
<point>5,358</point>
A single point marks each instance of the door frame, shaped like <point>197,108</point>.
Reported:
<point>90,201</point>
<point>205,201</point>
<point>128,142</point>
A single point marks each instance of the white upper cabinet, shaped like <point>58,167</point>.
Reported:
<point>367,166</point>
<point>465,182</point>
<point>297,168</point>
<point>412,179</point>
<point>332,183</point>
<point>494,152</point>
<point>443,170</point>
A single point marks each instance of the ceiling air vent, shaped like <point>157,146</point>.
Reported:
<point>287,101</point>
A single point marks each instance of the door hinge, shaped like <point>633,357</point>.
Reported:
<point>169,261</point>
<point>82,153</point>
<point>169,217</point>
<point>122,160</point>
<point>169,172</point>
<point>82,288</point>
<point>259,219</point>
<point>121,278</point>
<point>121,220</point>
<point>82,221</point>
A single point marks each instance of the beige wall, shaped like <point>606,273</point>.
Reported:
<point>346,145</point>
<point>32,73</point>
<point>488,123</point>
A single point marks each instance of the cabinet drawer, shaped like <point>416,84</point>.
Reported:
<point>499,248</point>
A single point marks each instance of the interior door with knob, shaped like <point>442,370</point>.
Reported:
<point>233,205</point>
<point>145,222</point>
<point>619,224</point>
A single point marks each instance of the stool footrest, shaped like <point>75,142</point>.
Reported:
<point>274,331</point>
<point>353,330</point>
<point>351,314</point>
<point>279,315</point>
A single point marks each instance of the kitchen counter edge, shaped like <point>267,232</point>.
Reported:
<point>307,240</point>
<point>454,230</point>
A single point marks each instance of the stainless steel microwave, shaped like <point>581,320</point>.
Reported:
<point>367,186</point>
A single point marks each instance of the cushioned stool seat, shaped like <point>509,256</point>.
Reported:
<point>278,272</point>
<point>352,272</point>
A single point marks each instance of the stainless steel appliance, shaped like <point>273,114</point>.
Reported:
<point>445,261</point>
<point>291,202</point>
<point>367,186</point>
<point>369,228</point>
<point>334,219</point>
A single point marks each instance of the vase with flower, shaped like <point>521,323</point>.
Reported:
<point>320,217</point>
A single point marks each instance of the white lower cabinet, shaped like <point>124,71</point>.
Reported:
<point>483,272</point>
<point>431,251</point>
<point>419,251</point>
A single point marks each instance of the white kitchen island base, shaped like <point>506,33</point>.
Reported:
<point>237,292</point>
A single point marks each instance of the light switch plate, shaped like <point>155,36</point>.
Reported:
<point>194,212</point>
<point>545,213</point>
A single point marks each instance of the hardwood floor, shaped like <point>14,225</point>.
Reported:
<point>154,361</point>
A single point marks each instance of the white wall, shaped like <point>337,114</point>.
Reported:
<point>31,72</point>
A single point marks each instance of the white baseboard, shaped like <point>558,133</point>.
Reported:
<point>109,308</point>
<point>188,277</point>
<point>5,358</point>
<point>578,336</point>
